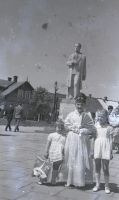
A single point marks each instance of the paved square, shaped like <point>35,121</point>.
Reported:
<point>17,156</point>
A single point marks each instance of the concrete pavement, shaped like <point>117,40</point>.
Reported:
<point>18,151</point>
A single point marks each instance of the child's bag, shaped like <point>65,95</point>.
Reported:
<point>42,169</point>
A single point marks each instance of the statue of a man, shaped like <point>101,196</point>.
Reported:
<point>77,72</point>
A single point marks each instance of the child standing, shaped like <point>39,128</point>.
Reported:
<point>102,149</point>
<point>55,149</point>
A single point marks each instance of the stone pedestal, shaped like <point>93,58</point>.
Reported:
<point>66,106</point>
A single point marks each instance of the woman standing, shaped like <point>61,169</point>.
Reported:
<point>78,145</point>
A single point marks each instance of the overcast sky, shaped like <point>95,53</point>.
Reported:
<point>37,36</point>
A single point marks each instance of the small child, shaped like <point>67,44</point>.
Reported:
<point>102,149</point>
<point>55,149</point>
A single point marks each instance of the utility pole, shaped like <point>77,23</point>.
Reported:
<point>55,100</point>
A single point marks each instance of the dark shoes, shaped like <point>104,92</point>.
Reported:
<point>16,130</point>
<point>9,129</point>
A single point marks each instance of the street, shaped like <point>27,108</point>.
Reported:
<point>18,151</point>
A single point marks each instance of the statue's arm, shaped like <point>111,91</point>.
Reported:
<point>72,61</point>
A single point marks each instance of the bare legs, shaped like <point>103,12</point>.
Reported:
<point>105,165</point>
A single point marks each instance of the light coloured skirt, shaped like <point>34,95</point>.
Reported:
<point>102,148</point>
<point>78,166</point>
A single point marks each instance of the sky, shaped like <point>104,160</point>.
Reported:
<point>37,37</point>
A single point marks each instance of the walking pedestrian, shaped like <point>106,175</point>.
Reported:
<point>18,116</point>
<point>9,116</point>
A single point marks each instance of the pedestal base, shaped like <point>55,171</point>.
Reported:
<point>66,106</point>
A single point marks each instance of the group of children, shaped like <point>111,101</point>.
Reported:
<point>102,149</point>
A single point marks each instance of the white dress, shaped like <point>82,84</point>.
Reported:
<point>77,149</point>
<point>103,143</point>
<point>57,146</point>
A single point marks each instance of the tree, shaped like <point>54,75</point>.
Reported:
<point>42,102</point>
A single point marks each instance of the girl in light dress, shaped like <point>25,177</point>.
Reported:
<point>102,149</point>
<point>55,149</point>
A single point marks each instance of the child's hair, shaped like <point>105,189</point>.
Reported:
<point>116,111</point>
<point>103,114</point>
<point>60,124</point>
<point>110,107</point>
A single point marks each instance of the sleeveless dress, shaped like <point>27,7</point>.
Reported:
<point>103,143</point>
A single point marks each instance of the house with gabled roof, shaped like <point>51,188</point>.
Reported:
<point>13,91</point>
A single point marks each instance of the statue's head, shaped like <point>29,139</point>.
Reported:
<point>77,47</point>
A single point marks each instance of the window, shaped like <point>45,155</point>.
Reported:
<point>27,95</point>
<point>20,93</point>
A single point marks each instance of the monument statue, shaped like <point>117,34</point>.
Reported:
<point>77,72</point>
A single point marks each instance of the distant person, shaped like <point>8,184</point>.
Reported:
<point>49,117</point>
<point>9,116</point>
<point>110,109</point>
<point>18,113</point>
<point>114,122</point>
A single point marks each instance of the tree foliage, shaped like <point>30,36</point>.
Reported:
<point>42,101</point>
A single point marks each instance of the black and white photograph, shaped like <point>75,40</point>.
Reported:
<point>59,99</point>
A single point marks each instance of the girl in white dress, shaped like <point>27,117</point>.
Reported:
<point>102,149</point>
<point>55,149</point>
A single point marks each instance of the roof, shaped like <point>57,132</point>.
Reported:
<point>5,83</point>
<point>108,103</point>
<point>112,103</point>
<point>104,105</point>
<point>93,104</point>
<point>13,87</point>
<point>99,103</point>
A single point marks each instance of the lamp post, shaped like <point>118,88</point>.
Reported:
<point>55,100</point>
